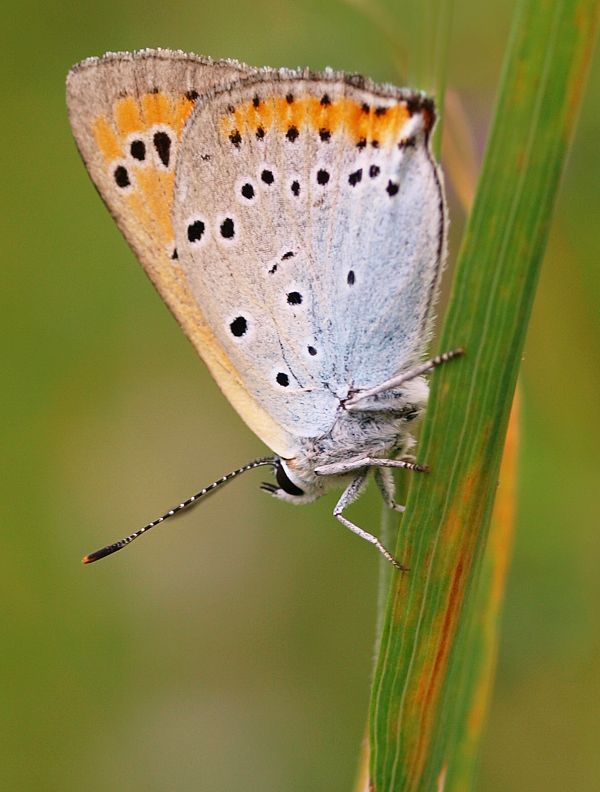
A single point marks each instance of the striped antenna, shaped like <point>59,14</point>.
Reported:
<point>112,548</point>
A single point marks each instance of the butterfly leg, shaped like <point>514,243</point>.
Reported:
<point>407,376</point>
<point>350,494</point>
<point>384,478</point>
<point>339,468</point>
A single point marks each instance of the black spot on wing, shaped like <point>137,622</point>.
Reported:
<point>322,177</point>
<point>235,138</point>
<point>138,150</point>
<point>238,326</point>
<point>195,231</point>
<point>162,144</point>
<point>355,177</point>
<point>247,191</point>
<point>227,228</point>
<point>121,177</point>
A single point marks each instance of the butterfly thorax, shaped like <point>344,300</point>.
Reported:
<point>381,428</point>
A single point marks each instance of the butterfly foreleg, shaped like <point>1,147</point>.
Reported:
<point>412,374</point>
<point>340,468</point>
<point>350,494</point>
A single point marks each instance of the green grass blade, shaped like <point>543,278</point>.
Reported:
<point>477,665</point>
<point>415,706</point>
<point>430,22</point>
<point>428,27</point>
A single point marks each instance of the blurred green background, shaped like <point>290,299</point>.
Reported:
<point>232,649</point>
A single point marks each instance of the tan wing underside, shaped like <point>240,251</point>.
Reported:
<point>128,112</point>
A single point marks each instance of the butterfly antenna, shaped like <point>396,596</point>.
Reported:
<point>112,548</point>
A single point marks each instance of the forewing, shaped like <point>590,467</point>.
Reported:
<point>128,112</point>
<point>309,219</point>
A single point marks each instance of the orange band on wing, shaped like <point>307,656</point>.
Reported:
<point>150,197</point>
<point>359,122</point>
<point>183,108</point>
<point>127,116</point>
<point>106,140</point>
<point>157,109</point>
<point>157,189</point>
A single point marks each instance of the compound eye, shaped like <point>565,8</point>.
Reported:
<point>284,481</point>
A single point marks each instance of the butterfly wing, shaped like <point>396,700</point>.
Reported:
<point>309,220</point>
<point>128,112</point>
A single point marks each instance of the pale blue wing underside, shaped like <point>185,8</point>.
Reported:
<point>314,257</point>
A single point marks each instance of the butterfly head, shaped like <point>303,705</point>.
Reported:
<point>289,487</point>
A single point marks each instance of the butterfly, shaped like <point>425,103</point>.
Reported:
<point>294,222</point>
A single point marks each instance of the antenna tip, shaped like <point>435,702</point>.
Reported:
<point>97,555</point>
<point>102,553</point>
